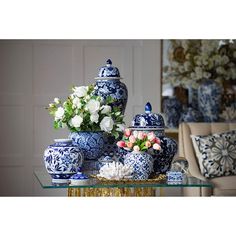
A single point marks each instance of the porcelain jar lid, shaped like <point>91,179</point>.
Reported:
<point>62,143</point>
<point>108,71</point>
<point>79,176</point>
<point>148,120</point>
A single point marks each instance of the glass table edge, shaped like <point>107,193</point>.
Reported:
<point>127,185</point>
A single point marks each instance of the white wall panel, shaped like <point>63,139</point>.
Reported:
<point>15,68</point>
<point>52,69</point>
<point>12,131</point>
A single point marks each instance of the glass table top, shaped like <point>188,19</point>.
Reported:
<point>46,182</point>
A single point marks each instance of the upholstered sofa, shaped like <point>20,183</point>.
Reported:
<point>223,186</point>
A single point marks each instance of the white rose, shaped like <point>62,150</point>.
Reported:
<point>107,124</point>
<point>57,100</point>
<point>94,117</point>
<point>106,109</point>
<point>59,113</point>
<point>76,103</point>
<point>76,121</point>
<point>93,106</point>
<point>80,91</point>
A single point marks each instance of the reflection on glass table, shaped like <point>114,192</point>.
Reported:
<point>118,188</point>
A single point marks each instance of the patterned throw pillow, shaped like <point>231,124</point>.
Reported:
<point>216,154</point>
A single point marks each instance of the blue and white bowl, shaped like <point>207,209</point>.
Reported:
<point>62,159</point>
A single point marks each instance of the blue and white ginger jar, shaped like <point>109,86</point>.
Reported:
<point>172,108</point>
<point>108,84</point>
<point>191,115</point>
<point>89,142</point>
<point>154,122</point>
<point>62,159</point>
<point>209,100</point>
<point>141,163</point>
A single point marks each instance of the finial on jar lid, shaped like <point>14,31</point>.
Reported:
<point>109,62</point>
<point>148,107</point>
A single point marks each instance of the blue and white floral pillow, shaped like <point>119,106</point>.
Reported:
<point>216,153</point>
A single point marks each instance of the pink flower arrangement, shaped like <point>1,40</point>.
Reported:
<point>139,141</point>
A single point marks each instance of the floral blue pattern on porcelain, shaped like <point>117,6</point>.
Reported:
<point>79,179</point>
<point>108,70</point>
<point>108,84</point>
<point>209,100</point>
<point>62,159</point>
<point>148,119</point>
<point>191,115</point>
<point>142,164</point>
<point>172,108</point>
<point>90,143</point>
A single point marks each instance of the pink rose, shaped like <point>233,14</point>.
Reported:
<point>140,135</point>
<point>157,140</point>
<point>148,144</point>
<point>129,145</point>
<point>127,132</point>
<point>132,139</point>
<point>121,144</point>
<point>136,148</point>
<point>151,136</point>
<point>156,146</point>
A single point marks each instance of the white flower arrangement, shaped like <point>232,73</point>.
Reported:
<point>194,60</point>
<point>83,111</point>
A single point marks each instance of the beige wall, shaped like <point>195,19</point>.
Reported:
<point>32,73</point>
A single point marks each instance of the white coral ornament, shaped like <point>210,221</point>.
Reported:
<point>115,171</point>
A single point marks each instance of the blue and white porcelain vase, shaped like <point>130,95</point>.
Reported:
<point>148,122</point>
<point>108,84</point>
<point>172,108</point>
<point>141,163</point>
<point>191,115</point>
<point>209,100</point>
<point>89,142</point>
<point>62,160</point>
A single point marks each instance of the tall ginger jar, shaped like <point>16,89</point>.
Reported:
<point>108,83</point>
